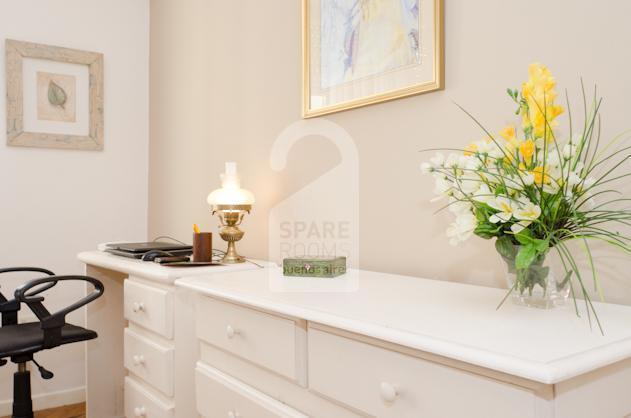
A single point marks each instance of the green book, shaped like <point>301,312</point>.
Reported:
<point>314,266</point>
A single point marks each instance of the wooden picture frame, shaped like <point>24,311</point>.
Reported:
<point>16,52</point>
<point>425,73</point>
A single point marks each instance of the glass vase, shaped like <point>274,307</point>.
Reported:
<point>540,285</point>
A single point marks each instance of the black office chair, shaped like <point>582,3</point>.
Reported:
<point>19,342</point>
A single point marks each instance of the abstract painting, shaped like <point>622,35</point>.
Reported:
<point>360,38</point>
<point>54,96</point>
<point>359,52</point>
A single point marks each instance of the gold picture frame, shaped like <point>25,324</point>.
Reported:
<point>92,123</point>
<point>433,70</point>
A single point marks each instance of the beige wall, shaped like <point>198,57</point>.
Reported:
<point>56,203</point>
<point>225,81</point>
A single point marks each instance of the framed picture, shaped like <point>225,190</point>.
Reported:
<point>361,52</point>
<point>54,96</point>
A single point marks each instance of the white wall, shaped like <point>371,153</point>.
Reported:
<point>55,203</point>
<point>225,81</point>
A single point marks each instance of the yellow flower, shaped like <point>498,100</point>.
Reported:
<point>540,111</point>
<point>540,80</point>
<point>471,149</point>
<point>527,150</point>
<point>508,133</point>
<point>542,123</point>
<point>541,175</point>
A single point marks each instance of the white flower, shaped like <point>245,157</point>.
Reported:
<point>573,179</point>
<point>551,187</point>
<point>472,163</point>
<point>513,185</point>
<point>527,211</point>
<point>570,148</point>
<point>469,183</point>
<point>505,206</point>
<point>426,168</point>
<point>462,228</point>
<point>554,172</point>
<point>492,175</point>
<point>496,152</point>
<point>459,207</point>
<point>437,160</point>
<point>483,194</point>
<point>452,161</point>
<point>553,159</point>
<point>486,147</point>
<point>527,177</point>
<point>443,186</point>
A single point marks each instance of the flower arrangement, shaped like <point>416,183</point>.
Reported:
<point>535,192</point>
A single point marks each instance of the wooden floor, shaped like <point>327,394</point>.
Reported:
<point>69,411</point>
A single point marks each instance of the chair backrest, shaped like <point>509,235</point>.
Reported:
<point>9,307</point>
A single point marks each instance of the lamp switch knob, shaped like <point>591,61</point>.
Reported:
<point>388,392</point>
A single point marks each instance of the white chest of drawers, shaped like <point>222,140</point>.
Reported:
<point>400,347</point>
<point>141,365</point>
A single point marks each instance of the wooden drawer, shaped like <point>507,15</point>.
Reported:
<point>150,361</point>
<point>385,383</point>
<point>150,307</point>
<point>140,403</point>
<point>220,395</point>
<point>263,339</point>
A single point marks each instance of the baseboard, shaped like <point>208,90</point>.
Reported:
<point>48,400</point>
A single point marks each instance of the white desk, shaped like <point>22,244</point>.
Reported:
<point>151,326</point>
<point>402,347</point>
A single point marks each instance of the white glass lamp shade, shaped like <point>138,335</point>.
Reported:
<point>226,196</point>
<point>231,192</point>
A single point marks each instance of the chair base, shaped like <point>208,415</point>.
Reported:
<point>22,402</point>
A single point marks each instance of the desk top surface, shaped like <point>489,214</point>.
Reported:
<point>156,272</point>
<point>454,320</point>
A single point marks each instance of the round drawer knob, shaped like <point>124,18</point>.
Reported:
<point>140,412</point>
<point>232,414</point>
<point>388,392</point>
<point>138,307</point>
<point>138,360</point>
<point>231,332</point>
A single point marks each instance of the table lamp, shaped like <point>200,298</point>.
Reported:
<point>231,203</point>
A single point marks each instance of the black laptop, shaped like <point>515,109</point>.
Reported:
<point>138,249</point>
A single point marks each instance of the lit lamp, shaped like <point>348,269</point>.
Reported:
<point>231,203</point>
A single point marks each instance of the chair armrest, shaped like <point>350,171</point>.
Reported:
<point>9,308</point>
<point>53,323</point>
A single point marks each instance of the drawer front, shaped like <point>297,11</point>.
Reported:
<point>388,384</point>
<point>220,395</point>
<point>150,361</point>
<point>263,339</point>
<point>140,403</point>
<point>150,307</point>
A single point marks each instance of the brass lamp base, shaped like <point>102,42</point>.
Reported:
<point>231,217</point>
<point>231,234</point>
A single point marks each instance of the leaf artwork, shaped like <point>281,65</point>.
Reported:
<point>56,95</point>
